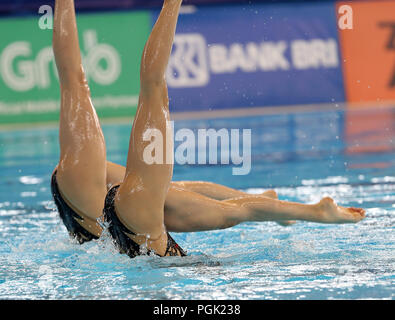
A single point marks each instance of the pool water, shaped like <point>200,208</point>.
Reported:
<point>347,155</point>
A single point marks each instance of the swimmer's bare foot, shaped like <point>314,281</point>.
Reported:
<point>330,212</point>
<point>273,195</point>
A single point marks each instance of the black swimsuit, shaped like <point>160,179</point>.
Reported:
<point>119,232</point>
<point>69,216</point>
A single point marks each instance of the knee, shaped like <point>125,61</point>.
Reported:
<point>234,216</point>
<point>229,223</point>
<point>270,194</point>
<point>74,79</point>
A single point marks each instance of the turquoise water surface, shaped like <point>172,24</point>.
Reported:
<point>349,156</point>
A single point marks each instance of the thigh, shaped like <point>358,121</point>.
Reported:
<point>81,172</point>
<point>188,211</point>
<point>141,196</point>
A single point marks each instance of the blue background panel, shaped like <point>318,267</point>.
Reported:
<point>196,84</point>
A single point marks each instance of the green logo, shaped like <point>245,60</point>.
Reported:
<point>111,47</point>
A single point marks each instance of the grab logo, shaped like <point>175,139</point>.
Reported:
<point>188,64</point>
<point>22,70</point>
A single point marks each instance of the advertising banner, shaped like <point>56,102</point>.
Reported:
<point>18,6</point>
<point>368,50</point>
<point>111,47</point>
<point>257,55</point>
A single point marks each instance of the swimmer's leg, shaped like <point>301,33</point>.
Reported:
<point>187,211</point>
<point>220,192</point>
<point>216,191</point>
<point>81,172</point>
<point>116,173</point>
<point>140,199</point>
